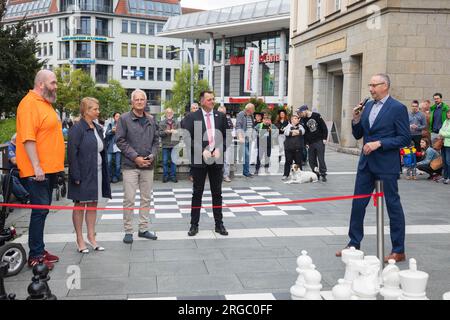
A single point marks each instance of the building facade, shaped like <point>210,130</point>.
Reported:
<point>230,31</point>
<point>337,45</point>
<point>110,39</point>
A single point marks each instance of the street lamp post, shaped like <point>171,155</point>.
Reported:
<point>192,70</point>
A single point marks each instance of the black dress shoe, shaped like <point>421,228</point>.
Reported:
<point>193,231</point>
<point>221,229</point>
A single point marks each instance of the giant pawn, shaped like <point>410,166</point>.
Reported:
<point>413,282</point>
<point>391,281</point>
<point>36,289</point>
<point>41,270</point>
<point>304,262</point>
<point>313,284</point>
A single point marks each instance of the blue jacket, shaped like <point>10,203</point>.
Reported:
<point>391,128</point>
<point>82,155</point>
<point>110,137</point>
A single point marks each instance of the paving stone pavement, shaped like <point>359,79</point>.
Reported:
<point>258,260</point>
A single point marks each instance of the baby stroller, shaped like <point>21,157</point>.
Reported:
<point>11,253</point>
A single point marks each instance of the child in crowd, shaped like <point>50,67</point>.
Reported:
<point>293,145</point>
<point>429,154</point>
<point>409,155</point>
<point>265,132</point>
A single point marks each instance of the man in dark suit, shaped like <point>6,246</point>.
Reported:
<point>384,125</point>
<point>207,138</point>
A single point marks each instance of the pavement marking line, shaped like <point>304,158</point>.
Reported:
<point>250,296</point>
<point>244,233</point>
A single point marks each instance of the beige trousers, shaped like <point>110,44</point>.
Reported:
<point>134,179</point>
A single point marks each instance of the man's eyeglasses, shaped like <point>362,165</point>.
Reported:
<point>370,85</point>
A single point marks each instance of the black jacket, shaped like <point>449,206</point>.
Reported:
<point>192,123</point>
<point>316,128</point>
<point>82,155</point>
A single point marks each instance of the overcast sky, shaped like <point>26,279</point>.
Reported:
<point>213,4</point>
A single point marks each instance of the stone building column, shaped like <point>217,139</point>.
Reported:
<point>282,76</point>
<point>320,87</point>
<point>350,98</point>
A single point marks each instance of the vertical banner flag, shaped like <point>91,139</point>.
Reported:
<point>251,70</point>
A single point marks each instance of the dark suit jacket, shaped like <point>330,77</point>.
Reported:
<point>391,128</point>
<point>197,139</point>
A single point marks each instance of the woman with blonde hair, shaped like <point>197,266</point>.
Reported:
<point>88,172</point>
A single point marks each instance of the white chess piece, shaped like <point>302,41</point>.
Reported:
<point>413,282</point>
<point>366,285</point>
<point>341,291</point>
<point>347,255</point>
<point>446,296</point>
<point>391,281</point>
<point>312,284</point>
<point>304,262</point>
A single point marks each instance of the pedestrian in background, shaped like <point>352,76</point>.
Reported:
<point>113,151</point>
<point>168,132</point>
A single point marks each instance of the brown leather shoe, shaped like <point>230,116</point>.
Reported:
<point>398,257</point>
<point>339,253</point>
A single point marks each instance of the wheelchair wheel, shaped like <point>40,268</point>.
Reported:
<point>14,254</point>
<point>63,190</point>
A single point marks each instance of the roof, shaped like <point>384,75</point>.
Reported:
<point>262,16</point>
<point>185,10</point>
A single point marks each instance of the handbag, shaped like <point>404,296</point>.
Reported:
<point>436,164</point>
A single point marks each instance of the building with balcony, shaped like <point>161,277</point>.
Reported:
<point>110,39</point>
<point>263,25</point>
<point>337,45</point>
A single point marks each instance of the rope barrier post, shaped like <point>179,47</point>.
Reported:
<point>380,221</point>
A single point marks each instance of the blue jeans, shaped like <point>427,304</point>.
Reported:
<point>115,171</point>
<point>446,162</point>
<point>17,189</point>
<point>41,194</point>
<point>246,170</point>
<point>167,156</point>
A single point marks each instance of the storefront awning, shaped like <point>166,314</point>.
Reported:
<point>250,18</point>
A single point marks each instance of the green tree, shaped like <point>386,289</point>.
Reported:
<point>112,98</point>
<point>72,87</point>
<point>182,89</point>
<point>18,62</point>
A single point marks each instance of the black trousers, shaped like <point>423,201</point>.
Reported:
<point>215,175</point>
<point>291,156</point>
<point>426,168</point>
<point>317,151</point>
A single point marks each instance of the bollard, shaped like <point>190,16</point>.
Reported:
<point>380,222</point>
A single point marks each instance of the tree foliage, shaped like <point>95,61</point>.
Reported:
<point>182,89</point>
<point>74,85</point>
<point>18,62</point>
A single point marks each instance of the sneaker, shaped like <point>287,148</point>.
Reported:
<point>148,235</point>
<point>324,178</point>
<point>248,175</point>
<point>414,178</point>
<point>50,257</point>
<point>174,179</point>
<point>284,178</point>
<point>440,180</point>
<point>408,178</point>
<point>128,239</point>
<point>114,180</point>
<point>34,261</point>
<point>165,179</point>
<point>446,181</point>
<point>226,179</point>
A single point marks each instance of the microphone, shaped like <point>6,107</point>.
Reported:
<point>360,108</point>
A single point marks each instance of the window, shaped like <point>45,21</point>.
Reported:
<point>160,52</point>
<point>142,28</point>
<point>154,97</point>
<point>201,56</point>
<point>64,50</point>
<point>44,45</point>
<point>83,49</point>
<point>142,72</point>
<point>39,27</point>
<point>133,77</point>
<point>45,26</point>
<point>63,27</point>
<point>167,53</point>
<point>318,9</point>
<point>84,26</point>
<point>101,50</point>
<point>101,27</point>
<point>159,74</point>
<point>142,51</point>
<point>101,73</point>
<point>200,74</point>
<point>159,27</point>
<point>124,70</point>
<point>151,29</point>
<point>151,74</point>
<point>50,25</point>
<point>133,50</point>
<point>337,5</point>
<point>50,49</point>
<point>133,27</point>
<point>124,49</point>
<point>125,26</point>
<point>151,51</point>
<point>168,74</point>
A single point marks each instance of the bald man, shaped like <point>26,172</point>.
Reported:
<point>40,157</point>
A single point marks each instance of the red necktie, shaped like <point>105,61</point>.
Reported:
<point>210,133</point>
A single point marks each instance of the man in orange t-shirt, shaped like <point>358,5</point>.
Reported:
<point>40,156</point>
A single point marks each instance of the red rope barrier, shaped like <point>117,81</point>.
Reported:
<point>260,204</point>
